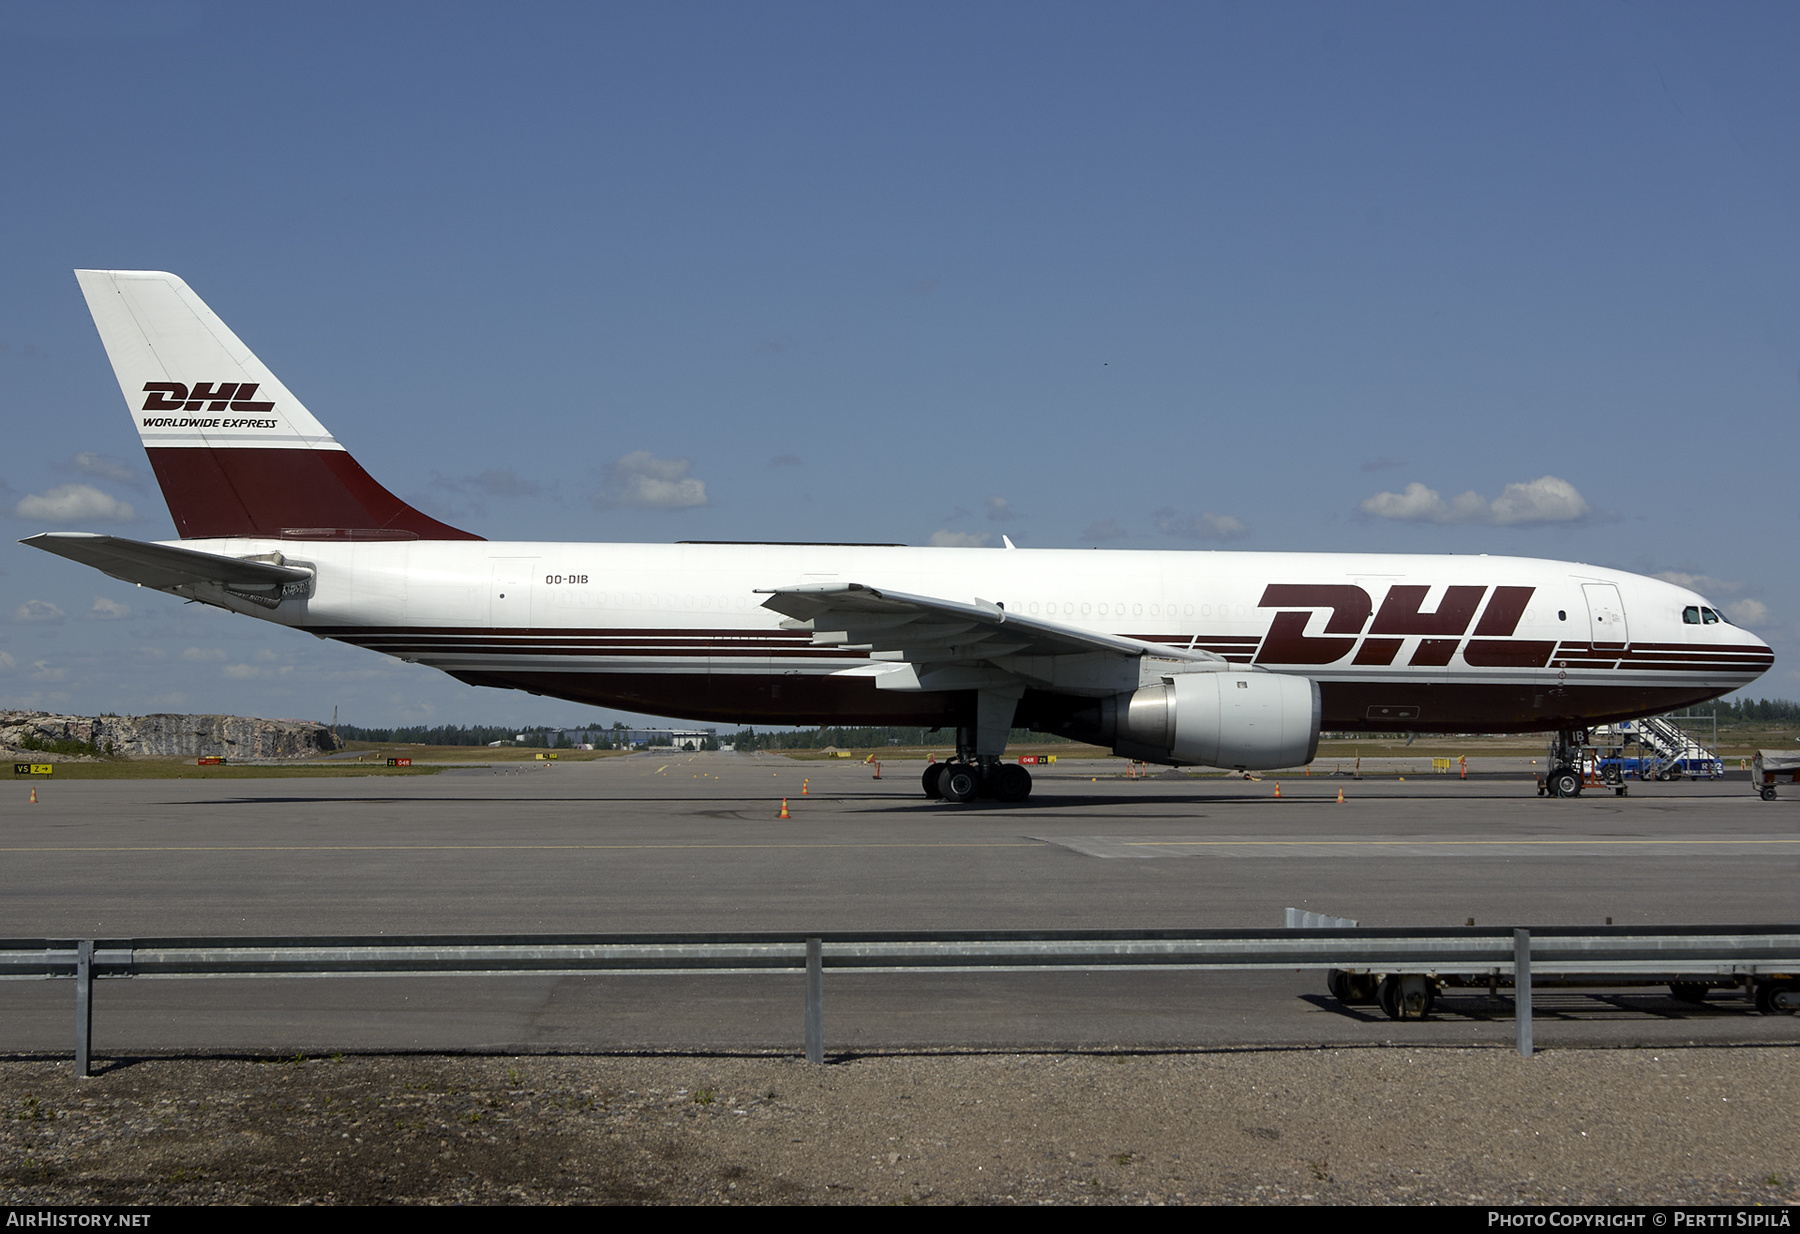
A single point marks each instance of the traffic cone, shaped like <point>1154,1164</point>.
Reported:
<point>34,796</point>
<point>1340,796</point>
<point>784,810</point>
<point>803,788</point>
<point>1278,790</point>
<point>878,771</point>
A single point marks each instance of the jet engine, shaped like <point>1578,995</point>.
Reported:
<point>1249,721</point>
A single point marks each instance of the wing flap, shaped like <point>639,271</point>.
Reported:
<point>888,623</point>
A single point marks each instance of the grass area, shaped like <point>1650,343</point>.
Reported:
<point>1062,749</point>
<point>1744,740</point>
<point>380,751</point>
<point>185,769</point>
<point>360,758</point>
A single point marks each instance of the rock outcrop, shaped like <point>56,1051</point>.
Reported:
<point>57,737</point>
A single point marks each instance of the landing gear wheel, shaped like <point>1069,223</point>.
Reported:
<point>929,781</point>
<point>1011,782</point>
<point>1350,989</point>
<point>1406,997</point>
<point>959,782</point>
<point>1690,992</point>
<point>1565,783</point>
<point>1768,793</point>
<point>1773,997</point>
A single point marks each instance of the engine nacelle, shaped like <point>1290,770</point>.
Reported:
<point>1247,721</point>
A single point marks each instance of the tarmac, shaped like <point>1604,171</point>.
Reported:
<point>680,842</point>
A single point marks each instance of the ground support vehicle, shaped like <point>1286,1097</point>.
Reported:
<point>1772,767</point>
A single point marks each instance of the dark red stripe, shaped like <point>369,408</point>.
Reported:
<point>250,492</point>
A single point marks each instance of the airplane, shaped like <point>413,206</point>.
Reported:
<point>1224,659</point>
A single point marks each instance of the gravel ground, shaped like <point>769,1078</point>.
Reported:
<point>1389,1125</point>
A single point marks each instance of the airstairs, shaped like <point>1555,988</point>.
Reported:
<point>1660,747</point>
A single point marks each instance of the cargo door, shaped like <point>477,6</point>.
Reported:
<point>1606,616</point>
<point>510,591</point>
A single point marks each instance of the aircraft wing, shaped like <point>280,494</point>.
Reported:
<point>162,566</point>
<point>896,625</point>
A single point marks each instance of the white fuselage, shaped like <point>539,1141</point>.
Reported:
<point>1439,643</point>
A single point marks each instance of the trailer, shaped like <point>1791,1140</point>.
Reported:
<point>1772,767</point>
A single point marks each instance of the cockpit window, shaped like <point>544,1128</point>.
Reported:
<point>1691,615</point>
<point>1708,617</point>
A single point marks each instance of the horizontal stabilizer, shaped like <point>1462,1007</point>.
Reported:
<point>162,566</point>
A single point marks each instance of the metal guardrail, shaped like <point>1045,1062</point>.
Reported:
<point>1756,956</point>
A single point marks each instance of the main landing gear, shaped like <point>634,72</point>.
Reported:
<point>977,771</point>
<point>965,781</point>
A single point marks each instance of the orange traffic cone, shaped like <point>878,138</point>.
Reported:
<point>1340,796</point>
<point>803,789</point>
<point>1278,790</point>
<point>784,810</point>
<point>34,796</point>
<point>878,771</point>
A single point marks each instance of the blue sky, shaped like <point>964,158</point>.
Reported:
<point>1160,276</point>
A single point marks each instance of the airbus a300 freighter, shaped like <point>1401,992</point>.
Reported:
<point>1221,659</point>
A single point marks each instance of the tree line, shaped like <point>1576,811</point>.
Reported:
<point>1739,711</point>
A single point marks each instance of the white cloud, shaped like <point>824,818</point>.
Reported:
<point>242,672</point>
<point>199,654</point>
<point>43,670</point>
<point>943,538</point>
<point>1207,526</point>
<point>1544,500</point>
<point>91,464</point>
<point>642,481</point>
<point>39,611</point>
<point>1705,584</point>
<point>1000,509</point>
<point>1104,529</point>
<point>74,503</point>
<point>495,482</point>
<point>108,610</point>
<point>6,662</point>
<point>1748,612</point>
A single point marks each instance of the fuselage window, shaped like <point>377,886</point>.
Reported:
<point>1691,615</point>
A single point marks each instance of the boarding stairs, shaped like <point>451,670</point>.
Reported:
<point>1665,750</point>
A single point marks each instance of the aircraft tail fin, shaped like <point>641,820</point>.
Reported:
<point>235,452</point>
